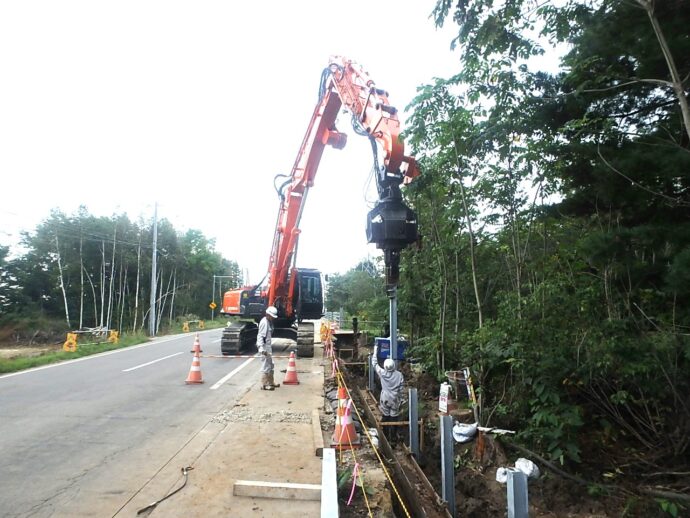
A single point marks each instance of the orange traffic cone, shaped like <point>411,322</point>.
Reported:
<point>291,373</point>
<point>197,346</point>
<point>342,397</point>
<point>195,371</point>
<point>344,436</point>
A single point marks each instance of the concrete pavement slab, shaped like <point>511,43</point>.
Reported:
<point>267,436</point>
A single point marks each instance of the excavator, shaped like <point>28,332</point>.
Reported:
<point>297,293</point>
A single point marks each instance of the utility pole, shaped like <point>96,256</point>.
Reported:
<point>152,311</point>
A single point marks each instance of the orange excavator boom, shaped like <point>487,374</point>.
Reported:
<point>344,84</point>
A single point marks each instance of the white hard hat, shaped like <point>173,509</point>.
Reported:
<point>272,311</point>
<point>389,365</point>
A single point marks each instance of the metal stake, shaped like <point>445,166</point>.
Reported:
<point>517,494</point>
<point>447,469</point>
<point>393,310</point>
<point>371,373</point>
<point>414,428</point>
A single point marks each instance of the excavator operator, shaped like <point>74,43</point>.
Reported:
<point>263,344</point>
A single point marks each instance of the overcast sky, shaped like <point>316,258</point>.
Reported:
<point>197,106</point>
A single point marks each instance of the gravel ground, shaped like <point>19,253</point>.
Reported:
<point>239,414</point>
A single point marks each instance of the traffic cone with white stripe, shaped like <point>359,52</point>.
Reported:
<point>345,437</point>
<point>197,345</point>
<point>342,397</point>
<point>291,373</point>
<point>195,371</point>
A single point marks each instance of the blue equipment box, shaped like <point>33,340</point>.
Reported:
<point>384,345</point>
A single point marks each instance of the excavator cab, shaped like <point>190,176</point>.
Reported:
<point>308,298</point>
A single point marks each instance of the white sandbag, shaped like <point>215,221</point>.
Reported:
<point>464,432</point>
<point>528,467</point>
<point>502,475</point>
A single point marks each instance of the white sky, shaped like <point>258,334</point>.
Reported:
<point>197,105</point>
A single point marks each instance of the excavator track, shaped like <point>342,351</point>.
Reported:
<point>305,339</point>
<point>238,337</point>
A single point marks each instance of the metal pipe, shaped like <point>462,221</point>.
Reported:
<point>447,468</point>
<point>413,416</point>
<point>371,372</point>
<point>517,494</point>
<point>393,310</point>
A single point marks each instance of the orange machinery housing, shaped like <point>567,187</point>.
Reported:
<point>297,293</point>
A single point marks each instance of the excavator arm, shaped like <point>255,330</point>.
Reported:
<point>391,225</point>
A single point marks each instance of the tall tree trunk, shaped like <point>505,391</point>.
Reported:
<point>443,270</point>
<point>62,282</point>
<point>468,222</point>
<point>513,220</point>
<point>112,280</point>
<point>124,303</point>
<point>676,82</point>
<point>120,291</point>
<point>95,300</point>
<point>456,330</point>
<point>172,299</point>
<point>159,296</point>
<point>102,283</point>
<point>444,306</point>
<point>136,292</point>
<point>165,300</point>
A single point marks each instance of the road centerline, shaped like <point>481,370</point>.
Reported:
<point>231,374</point>
<point>151,362</point>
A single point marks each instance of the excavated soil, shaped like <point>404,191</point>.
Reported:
<point>478,494</point>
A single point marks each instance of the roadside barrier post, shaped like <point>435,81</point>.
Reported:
<point>517,494</point>
<point>447,469</point>
<point>413,417</point>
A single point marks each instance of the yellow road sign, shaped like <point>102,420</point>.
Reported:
<point>212,305</point>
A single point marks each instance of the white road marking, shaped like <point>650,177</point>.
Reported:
<point>149,363</point>
<point>154,341</point>
<point>231,374</point>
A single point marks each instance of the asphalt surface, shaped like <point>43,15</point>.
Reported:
<point>82,438</point>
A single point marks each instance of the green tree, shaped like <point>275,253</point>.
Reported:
<point>360,292</point>
<point>574,185</point>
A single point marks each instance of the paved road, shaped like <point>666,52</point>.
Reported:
<point>81,438</point>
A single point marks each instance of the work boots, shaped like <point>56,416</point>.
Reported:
<point>271,381</point>
<point>266,382</point>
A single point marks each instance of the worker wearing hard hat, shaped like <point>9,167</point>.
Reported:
<point>391,387</point>
<point>263,344</point>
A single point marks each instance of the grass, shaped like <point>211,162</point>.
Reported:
<point>88,349</point>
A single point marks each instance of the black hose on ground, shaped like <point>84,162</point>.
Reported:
<point>152,506</point>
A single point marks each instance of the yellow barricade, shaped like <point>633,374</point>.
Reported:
<point>114,337</point>
<point>201,324</point>
<point>185,327</point>
<point>70,344</point>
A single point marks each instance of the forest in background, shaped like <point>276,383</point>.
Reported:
<point>96,272</point>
